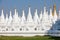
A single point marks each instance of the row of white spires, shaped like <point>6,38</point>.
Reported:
<point>36,19</point>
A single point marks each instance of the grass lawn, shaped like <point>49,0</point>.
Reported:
<point>29,38</point>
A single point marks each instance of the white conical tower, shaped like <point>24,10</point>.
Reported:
<point>18,17</point>
<point>29,17</point>
<point>36,18</point>
<point>23,19</point>
<point>45,21</point>
<point>45,15</point>
<point>41,16</point>
<point>51,13</point>
<point>44,10</point>
<point>2,17</point>
<point>10,18</point>
<point>6,18</point>
<point>15,17</point>
<point>50,16</point>
<point>55,16</point>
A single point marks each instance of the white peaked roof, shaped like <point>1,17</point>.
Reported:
<point>50,16</point>
<point>36,18</point>
<point>10,17</point>
<point>45,15</point>
<point>6,17</point>
<point>29,17</point>
<point>15,17</point>
<point>41,15</point>
<point>44,10</point>
<point>18,17</point>
<point>2,16</point>
<point>55,15</point>
<point>51,13</point>
<point>23,19</point>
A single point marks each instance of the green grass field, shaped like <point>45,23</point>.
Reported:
<point>29,38</point>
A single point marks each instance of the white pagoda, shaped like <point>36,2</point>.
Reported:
<point>44,24</point>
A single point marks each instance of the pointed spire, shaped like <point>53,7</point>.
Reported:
<point>23,15</point>
<point>55,13</point>
<point>36,18</point>
<point>50,16</point>
<point>23,19</point>
<point>10,17</point>
<point>45,15</point>
<point>29,17</point>
<point>41,15</point>
<point>18,17</point>
<point>55,9</point>
<point>15,15</point>
<point>44,6</point>
<point>29,11</point>
<point>36,13</point>
<point>6,17</point>
<point>2,15</point>
<point>50,11</point>
<point>44,10</point>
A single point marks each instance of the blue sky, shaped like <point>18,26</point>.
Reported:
<point>8,5</point>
